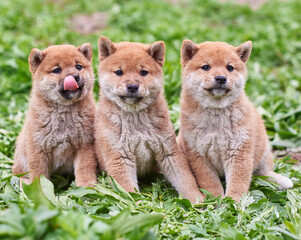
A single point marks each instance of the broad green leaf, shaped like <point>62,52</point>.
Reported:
<point>48,190</point>
<point>34,192</point>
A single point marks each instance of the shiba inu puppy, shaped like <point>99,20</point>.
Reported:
<point>222,135</point>
<point>133,130</point>
<point>58,133</point>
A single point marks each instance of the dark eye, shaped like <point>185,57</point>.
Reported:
<point>230,68</point>
<point>205,67</point>
<point>57,70</point>
<point>119,72</point>
<point>143,73</point>
<point>78,67</point>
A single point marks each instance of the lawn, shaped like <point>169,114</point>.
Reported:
<point>57,209</point>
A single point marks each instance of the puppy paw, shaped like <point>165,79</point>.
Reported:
<point>91,183</point>
<point>27,181</point>
<point>195,198</point>
<point>236,197</point>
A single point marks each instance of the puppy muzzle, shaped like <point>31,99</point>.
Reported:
<point>132,94</point>
<point>218,89</point>
<point>71,87</point>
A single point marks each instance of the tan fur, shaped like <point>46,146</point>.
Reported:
<point>57,136</point>
<point>221,133</point>
<point>133,136</point>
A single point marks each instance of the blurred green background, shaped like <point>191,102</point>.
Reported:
<point>274,86</point>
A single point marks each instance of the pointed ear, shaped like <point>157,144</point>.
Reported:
<point>188,50</point>
<point>86,50</point>
<point>105,47</point>
<point>244,50</point>
<point>157,52</point>
<point>35,58</point>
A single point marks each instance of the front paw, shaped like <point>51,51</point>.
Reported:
<point>87,183</point>
<point>194,198</point>
<point>236,197</point>
<point>26,180</point>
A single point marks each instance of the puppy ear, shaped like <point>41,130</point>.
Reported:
<point>105,47</point>
<point>188,50</point>
<point>86,50</point>
<point>35,58</point>
<point>157,52</point>
<point>244,50</point>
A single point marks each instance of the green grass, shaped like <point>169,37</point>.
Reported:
<point>63,211</point>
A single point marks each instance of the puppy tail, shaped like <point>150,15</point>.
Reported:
<point>284,182</point>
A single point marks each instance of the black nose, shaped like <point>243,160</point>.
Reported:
<point>132,88</point>
<point>76,77</point>
<point>220,79</point>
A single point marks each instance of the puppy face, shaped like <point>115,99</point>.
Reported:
<point>130,74</point>
<point>63,73</point>
<point>214,72</point>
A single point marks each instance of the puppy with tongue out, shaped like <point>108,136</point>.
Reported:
<point>58,134</point>
<point>70,84</point>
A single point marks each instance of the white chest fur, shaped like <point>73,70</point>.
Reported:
<point>63,132</point>
<point>217,135</point>
<point>138,141</point>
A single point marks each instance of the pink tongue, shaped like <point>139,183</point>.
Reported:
<point>70,83</point>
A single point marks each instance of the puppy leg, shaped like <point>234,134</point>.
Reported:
<point>38,163</point>
<point>238,171</point>
<point>20,159</point>
<point>121,168</point>
<point>205,174</point>
<point>20,165</point>
<point>177,171</point>
<point>85,167</point>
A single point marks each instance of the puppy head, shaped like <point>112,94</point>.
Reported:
<point>214,73</point>
<point>62,73</point>
<point>130,74</point>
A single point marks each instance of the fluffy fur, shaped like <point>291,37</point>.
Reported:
<point>57,136</point>
<point>133,130</point>
<point>222,135</point>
